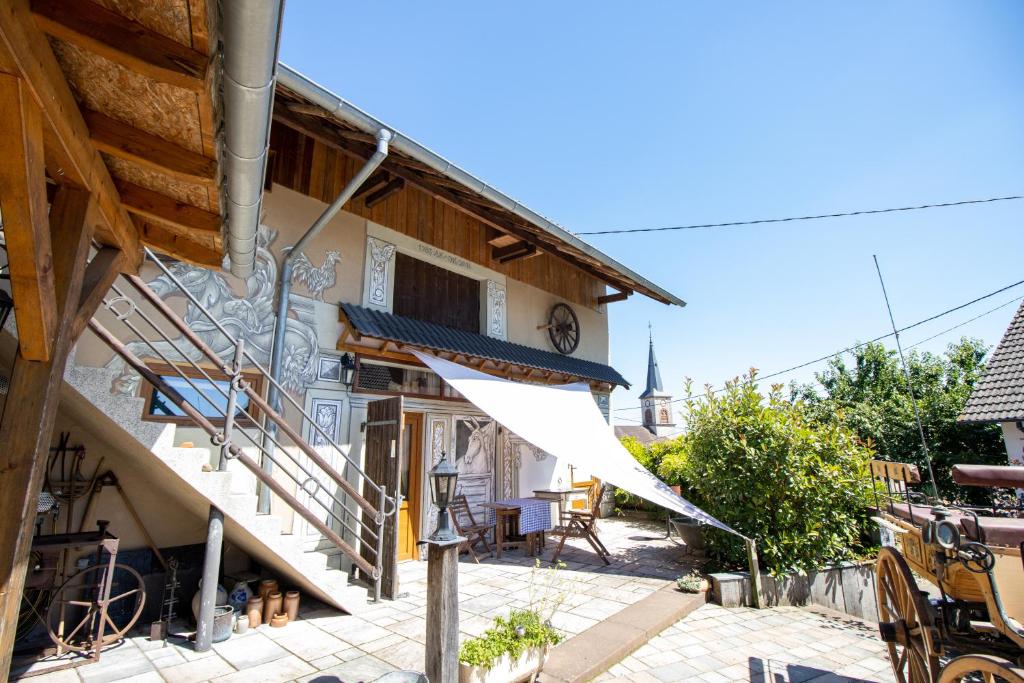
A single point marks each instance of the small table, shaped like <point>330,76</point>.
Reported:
<point>518,517</point>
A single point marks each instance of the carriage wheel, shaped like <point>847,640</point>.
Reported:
<point>905,621</point>
<point>983,667</point>
<point>73,618</point>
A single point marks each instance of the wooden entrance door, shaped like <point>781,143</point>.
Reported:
<point>409,485</point>
<point>383,438</point>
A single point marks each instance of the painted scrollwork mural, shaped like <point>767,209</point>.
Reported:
<point>496,324</point>
<point>250,317</point>
<point>381,254</point>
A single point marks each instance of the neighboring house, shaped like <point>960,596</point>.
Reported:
<point>423,257</point>
<point>999,394</point>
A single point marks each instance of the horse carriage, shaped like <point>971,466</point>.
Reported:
<point>950,579</point>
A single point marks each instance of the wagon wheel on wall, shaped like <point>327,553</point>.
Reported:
<point>906,622</point>
<point>73,618</point>
<point>564,328</point>
<point>981,667</point>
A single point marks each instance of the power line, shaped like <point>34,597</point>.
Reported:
<point>844,214</point>
<point>966,322</point>
<point>871,341</point>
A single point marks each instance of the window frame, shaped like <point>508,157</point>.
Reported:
<point>147,390</point>
<point>356,389</point>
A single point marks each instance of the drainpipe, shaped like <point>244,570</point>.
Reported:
<point>273,397</point>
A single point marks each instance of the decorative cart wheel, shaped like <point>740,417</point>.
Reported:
<point>76,615</point>
<point>981,667</point>
<point>564,328</point>
<point>905,621</point>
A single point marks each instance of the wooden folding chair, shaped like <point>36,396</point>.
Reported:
<point>467,526</point>
<point>579,524</point>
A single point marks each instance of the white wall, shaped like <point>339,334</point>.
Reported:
<point>1013,437</point>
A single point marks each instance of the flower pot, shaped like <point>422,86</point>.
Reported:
<point>254,610</point>
<point>271,606</point>
<point>279,620</point>
<point>291,605</point>
<point>267,586</point>
<point>506,669</point>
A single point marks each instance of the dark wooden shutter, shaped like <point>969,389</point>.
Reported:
<point>383,466</point>
<point>432,294</point>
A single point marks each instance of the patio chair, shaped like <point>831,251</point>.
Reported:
<point>465,525</point>
<point>579,524</point>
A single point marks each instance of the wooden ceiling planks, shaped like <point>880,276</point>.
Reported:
<point>140,72</point>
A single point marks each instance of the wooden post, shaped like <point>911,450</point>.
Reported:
<point>442,652</point>
<point>755,573</point>
<point>34,394</point>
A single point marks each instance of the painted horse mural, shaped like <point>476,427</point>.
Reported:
<point>250,317</point>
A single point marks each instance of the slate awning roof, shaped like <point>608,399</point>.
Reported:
<point>999,394</point>
<point>401,330</point>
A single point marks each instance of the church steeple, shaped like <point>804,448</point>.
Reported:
<point>654,402</point>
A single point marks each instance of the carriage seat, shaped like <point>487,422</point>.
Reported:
<point>992,476</point>
<point>917,514</point>
<point>1006,531</point>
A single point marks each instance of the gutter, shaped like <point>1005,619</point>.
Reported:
<point>354,116</point>
<point>252,35</point>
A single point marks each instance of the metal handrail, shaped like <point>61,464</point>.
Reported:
<point>369,530</point>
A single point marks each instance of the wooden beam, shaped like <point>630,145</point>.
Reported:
<point>27,51</point>
<point>149,151</point>
<point>100,274</point>
<point>515,251</point>
<point>393,186</point>
<point>615,296</point>
<point>159,207</point>
<point>26,227</point>
<point>375,181</point>
<point>123,41</point>
<point>179,246</point>
<point>26,428</point>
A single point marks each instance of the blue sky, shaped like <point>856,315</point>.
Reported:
<point>618,115</point>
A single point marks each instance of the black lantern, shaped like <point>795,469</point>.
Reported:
<point>348,370</point>
<point>443,477</point>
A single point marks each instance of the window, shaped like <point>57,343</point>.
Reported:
<point>432,294</point>
<point>204,396</point>
<point>381,377</point>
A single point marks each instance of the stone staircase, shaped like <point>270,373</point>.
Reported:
<point>186,475</point>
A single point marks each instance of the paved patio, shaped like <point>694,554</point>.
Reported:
<point>779,645</point>
<point>326,645</point>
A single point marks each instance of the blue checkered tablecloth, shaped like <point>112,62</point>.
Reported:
<point>534,514</point>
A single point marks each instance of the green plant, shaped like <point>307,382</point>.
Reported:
<point>760,464</point>
<point>651,457</point>
<point>690,583</point>
<point>522,629</point>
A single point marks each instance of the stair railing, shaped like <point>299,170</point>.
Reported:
<point>190,351</point>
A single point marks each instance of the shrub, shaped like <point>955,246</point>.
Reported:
<point>652,457</point>
<point>759,464</point>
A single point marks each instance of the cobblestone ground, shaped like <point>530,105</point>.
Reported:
<point>779,645</point>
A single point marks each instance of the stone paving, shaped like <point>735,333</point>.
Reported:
<point>778,645</point>
<point>327,646</point>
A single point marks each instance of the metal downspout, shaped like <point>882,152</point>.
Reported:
<point>284,293</point>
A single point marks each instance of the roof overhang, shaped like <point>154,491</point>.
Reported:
<point>314,110</point>
<point>388,336</point>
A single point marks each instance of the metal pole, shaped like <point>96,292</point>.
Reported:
<point>211,572</point>
<point>229,411</point>
<point>285,287</point>
<point>379,550</point>
<point>910,384</point>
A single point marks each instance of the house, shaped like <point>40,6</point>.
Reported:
<point>999,394</point>
<point>306,436</point>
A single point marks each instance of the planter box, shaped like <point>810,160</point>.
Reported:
<point>506,670</point>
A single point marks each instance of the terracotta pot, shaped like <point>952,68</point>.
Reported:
<point>279,620</point>
<point>291,605</point>
<point>677,489</point>
<point>272,606</point>
<point>254,610</point>
<point>267,586</point>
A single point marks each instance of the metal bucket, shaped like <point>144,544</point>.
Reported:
<point>689,532</point>
<point>223,622</point>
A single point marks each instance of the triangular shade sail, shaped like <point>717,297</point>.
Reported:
<point>565,422</point>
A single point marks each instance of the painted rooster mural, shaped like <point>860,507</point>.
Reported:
<point>316,279</point>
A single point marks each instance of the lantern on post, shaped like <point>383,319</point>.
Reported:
<point>443,478</point>
<point>348,370</point>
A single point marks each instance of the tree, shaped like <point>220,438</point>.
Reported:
<point>868,393</point>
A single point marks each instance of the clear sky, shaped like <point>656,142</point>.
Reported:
<point>608,115</point>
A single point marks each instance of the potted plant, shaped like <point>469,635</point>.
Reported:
<point>692,583</point>
<point>516,647</point>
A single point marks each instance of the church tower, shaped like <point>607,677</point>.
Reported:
<point>655,404</point>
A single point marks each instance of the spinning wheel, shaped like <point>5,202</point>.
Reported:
<point>981,667</point>
<point>563,328</point>
<point>905,621</point>
<point>80,620</point>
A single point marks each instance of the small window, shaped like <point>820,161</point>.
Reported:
<point>204,395</point>
<point>433,294</point>
<point>387,378</point>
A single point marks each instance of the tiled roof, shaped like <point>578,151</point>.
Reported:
<point>999,394</point>
<point>380,325</point>
<point>640,433</point>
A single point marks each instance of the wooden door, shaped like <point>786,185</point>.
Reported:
<point>409,485</point>
<point>382,465</point>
